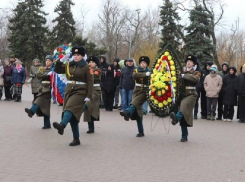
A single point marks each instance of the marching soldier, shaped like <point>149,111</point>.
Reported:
<point>190,79</point>
<point>78,90</point>
<point>134,111</point>
<point>41,103</point>
<point>92,108</point>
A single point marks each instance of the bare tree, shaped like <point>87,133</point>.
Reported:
<point>112,19</point>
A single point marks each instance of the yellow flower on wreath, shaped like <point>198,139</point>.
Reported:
<point>156,101</point>
<point>166,53</point>
<point>171,62</point>
<point>165,103</point>
<point>160,105</point>
<point>172,68</point>
<point>169,100</point>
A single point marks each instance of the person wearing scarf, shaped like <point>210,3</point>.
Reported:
<point>134,111</point>
<point>78,91</point>
<point>18,79</point>
<point>41,103</point>
<point>190,78</point>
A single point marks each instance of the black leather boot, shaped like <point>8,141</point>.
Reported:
<point>29,112</point>
<point>140,135</point>
<point>18,98</point>
<point>75,142</point>
<point>126,115</point>
<point>90,131</point>
<point>60,127</point>
<point>174,119</point>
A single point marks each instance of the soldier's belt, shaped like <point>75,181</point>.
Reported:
<point>140,85</point>
<point>190,88</point>
<point>97,85</point>
<point>76,82</point>
<point>45,81</point>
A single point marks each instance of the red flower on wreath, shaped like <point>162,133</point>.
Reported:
<point>165,58</point>
<point>153,93</point>
<point>61,56</point>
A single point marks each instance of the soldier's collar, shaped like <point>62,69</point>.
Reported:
<point>80,63</point>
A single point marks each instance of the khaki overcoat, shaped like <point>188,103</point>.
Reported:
<point>76,93</point>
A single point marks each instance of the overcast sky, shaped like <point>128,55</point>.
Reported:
<point>233,9</point>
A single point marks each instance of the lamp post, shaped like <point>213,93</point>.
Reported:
<point>130,35</point>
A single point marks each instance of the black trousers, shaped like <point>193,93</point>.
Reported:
<point>241,108</point>
<point>7,93</point>
<point>203,103</point>
<point>228,112</point>
<point>220,105</point>
<point>108,100</point>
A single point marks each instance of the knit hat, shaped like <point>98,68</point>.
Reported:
<point>36,60</point>
<point>49,57</point>
<point>213,68</point>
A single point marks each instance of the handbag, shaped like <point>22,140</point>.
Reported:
<point>1,81</point>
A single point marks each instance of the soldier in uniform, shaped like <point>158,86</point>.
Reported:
<point>190,78</point>
<point>92,109</point>
<point>78,90</point>
<point>41,103</point>
<point>134,111</point>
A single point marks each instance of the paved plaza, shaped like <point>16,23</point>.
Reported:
<point>215,151</point>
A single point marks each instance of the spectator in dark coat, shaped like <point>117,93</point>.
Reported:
<point>1,79</point>
<point>241,95</point>
<point>127,83</point>
<point>117,74</point>
<point>109,88</point>
<point>103,67</point>
<point>8,70</point>
<point>198,89</point>
<point>230,86</point>
<point>203,92</point>
<point>18,79</point>
<point>222,73</point>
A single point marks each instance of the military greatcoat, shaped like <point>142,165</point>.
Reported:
<point>93,105</point>
<point>189,95</point>
<point>76,93</point>
<point>35,82</point>
<point>44,93</point>
<point>140,89</point>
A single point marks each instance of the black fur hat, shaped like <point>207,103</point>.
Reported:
<point>191,58</point>
<point>78,50</point>
<point>144,58</point>
<point>94,59</point>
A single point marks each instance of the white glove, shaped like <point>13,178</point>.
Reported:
<point>87,99</point>
<point>49,73</point>
<point>182,75</point>
<point>148,73</point>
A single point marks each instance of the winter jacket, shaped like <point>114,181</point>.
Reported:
<point>241,84</point>
<point>223,73</point>
<point>117,74</point>
<point>127,81</point>
<point>109,84</point>
<point>8,71</point>
<point>18,76</point>
<point>205,72</point>
<point>230,86</point>
<point>35,82</point>
<point>200,84</point>
<point>103,66</point>
<point>212,84</point>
